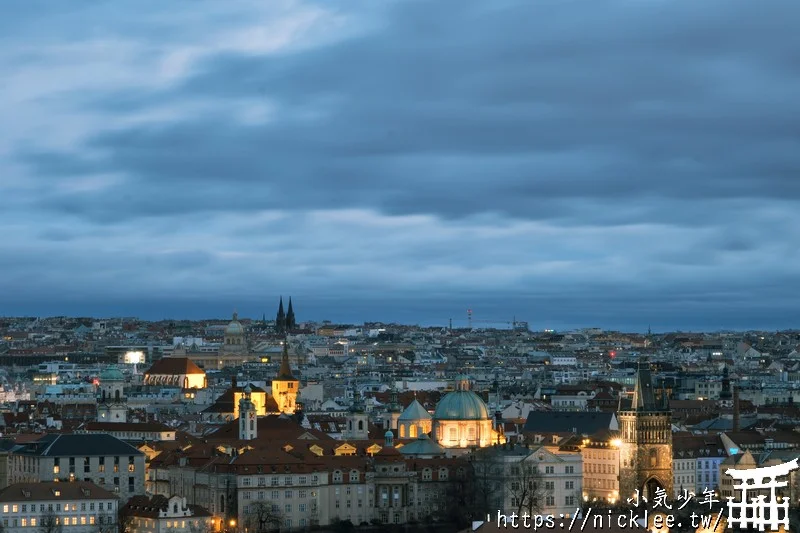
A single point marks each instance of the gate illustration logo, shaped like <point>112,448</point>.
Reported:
<point>753,509</point>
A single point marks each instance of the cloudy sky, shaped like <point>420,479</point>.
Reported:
<point>611,163</point>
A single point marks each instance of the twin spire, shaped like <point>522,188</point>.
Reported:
<point>285,322</point>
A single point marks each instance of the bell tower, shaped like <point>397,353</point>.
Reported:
<point>357,420</point>
<point>285,386</point>
<point>248,422</point>
<point>646,434</point>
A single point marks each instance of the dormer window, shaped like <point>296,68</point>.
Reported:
<point>56,492</point>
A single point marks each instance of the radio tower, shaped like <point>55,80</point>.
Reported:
<point>469,319</point>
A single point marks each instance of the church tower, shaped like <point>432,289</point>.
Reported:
<point>248,422</point>
<point>112,405</point>
<point>393,411</point>
<point>357,420</point>
<point>291,323</point>
<point>280,319</point>
<point>285,386</point>
<point>646,434</point>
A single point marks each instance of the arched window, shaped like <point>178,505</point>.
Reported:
<point>412,431</point>
<point>222,503</point>
<point>116,395</point>
<point>361,425</point>
<point>175,508</point>
<point>402,431</point>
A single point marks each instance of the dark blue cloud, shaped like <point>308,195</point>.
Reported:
<point>586,161</point>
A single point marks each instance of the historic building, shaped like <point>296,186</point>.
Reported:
<point>285,386</point>
<point>176,372</point>
<point>283,398</point>
<point>462,420</point>
<point>646,435</point>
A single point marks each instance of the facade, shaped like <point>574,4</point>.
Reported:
<point>78,507</point>
<point>601,470</point>
<point>518,479</point>
<point>159,514</point>
<point>646,435</point>
<point>106,461</point>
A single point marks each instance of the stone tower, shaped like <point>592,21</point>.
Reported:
<point>646,434</point>
<point>248,422</point>
<point>285,386</point>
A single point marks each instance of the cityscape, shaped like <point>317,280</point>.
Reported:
<point>284,424</point>
<point>399,266</point>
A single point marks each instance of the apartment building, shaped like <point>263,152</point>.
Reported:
<point>101,459</point>
<point>79,507</point>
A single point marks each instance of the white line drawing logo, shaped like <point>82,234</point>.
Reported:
<point>758,511</point>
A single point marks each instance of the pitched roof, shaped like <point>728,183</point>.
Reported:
<point>580,422</point>
<point>150,507</point>
<point>174,366</point>
<point>86,444</point>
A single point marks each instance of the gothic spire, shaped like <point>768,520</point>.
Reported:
<point>285,371</point>
<point>280,319</point>
<point>290,321</point>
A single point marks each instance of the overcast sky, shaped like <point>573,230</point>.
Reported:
<point>616,163</point>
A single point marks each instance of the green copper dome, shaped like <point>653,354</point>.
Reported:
<point>461,405</point>
<point>111,373</point>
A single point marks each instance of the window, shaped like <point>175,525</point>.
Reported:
<point>288,495</point>
<point>570,470</point>
<point>550,501</point>
<point>569,500</point>
<point>569,485</point>
<point>116,465</point>
<point>101,467</point>
<point>86,465</point>
<point>549,485</point>
<point>549,469</point>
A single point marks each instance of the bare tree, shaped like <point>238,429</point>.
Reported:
<point>487,481</point>
<point>50,523</point>
<point>106,523</point>
<point>262,519</point>
<point>525,487</point>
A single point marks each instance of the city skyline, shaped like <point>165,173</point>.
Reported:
<point>622,165</point>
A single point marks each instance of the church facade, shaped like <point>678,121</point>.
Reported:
<point>646,435</point>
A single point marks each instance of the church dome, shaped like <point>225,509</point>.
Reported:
<point>235,327</point>
<point>461,405</point>
<point>111,373</point>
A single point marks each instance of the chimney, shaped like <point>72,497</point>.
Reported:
<point>736,408</point>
